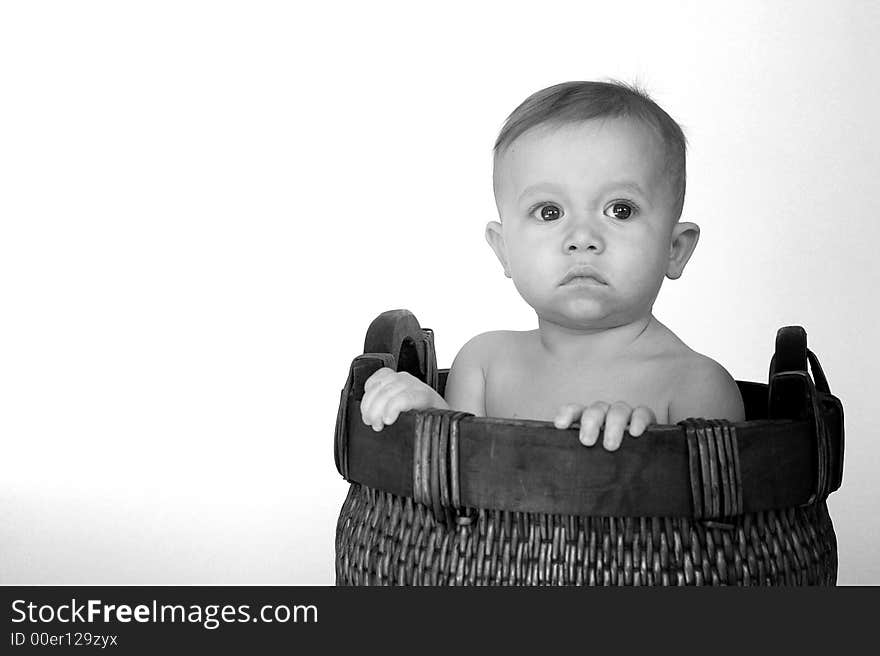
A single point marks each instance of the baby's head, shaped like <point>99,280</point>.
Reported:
<point>589,182</point>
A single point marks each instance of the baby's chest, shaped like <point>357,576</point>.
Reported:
<point>535,392</point>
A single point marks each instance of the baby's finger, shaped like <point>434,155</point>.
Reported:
<point>378,409</point>
<point>567,414</point>
<point>374,383</point>
<point>379,377</point>
<point>615,424</point>
<point>395,405</point>
<point>642,417</point>
<point>367,408</point>
<point>370,415</point>
<point>371,418</point>
<point>591,421</point>
<point>373,388</point>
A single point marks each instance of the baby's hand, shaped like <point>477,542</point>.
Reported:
<point>387,393</point>
<point>614,417</point>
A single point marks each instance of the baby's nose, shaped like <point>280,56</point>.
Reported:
<point>583,237</point>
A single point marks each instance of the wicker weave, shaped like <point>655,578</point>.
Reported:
<point>383,539</point>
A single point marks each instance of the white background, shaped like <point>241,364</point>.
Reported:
<point>203,207</point>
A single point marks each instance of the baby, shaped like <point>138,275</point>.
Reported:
<point>589,181</point>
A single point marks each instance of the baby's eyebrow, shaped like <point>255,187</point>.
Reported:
<point>630,185</point>
<point>539,187</point>
<point>625,184</point>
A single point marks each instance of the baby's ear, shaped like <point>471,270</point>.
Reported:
<point>495,237</point>
<point>684,240</point>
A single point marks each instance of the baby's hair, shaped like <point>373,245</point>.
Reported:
<point>574,102</point>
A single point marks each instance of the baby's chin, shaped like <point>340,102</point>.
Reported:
<point>581,316</point>
<point>581,310</point>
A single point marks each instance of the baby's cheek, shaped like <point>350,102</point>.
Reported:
<point>526,277</point>
<point>526,290</point>
<point>646,273</point>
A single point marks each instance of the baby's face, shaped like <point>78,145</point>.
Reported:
<point>587,221</point>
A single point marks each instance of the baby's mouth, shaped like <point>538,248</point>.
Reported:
<point>583,275</point>
<point>583,280</point>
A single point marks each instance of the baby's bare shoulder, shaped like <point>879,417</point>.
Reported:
<point>704,388</point>
<point>691,366</point>
<point>466,383</point>
<point>488,346</point>
<point>698,385</point>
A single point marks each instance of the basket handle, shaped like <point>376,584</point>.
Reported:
<point>793,356</point>
<point>793,394</point>
<point>398,333</point>
<point>395,340</point>
<point>789,384</point>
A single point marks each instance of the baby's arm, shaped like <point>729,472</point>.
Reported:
<point>387,393</point>
<point>466,383</point>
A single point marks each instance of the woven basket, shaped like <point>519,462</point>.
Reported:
<point>700,503</point>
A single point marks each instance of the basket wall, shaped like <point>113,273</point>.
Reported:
<point>384,539</point>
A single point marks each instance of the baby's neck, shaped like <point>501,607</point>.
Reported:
<point>570,344</point>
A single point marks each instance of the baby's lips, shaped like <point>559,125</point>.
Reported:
<point>583,271</point>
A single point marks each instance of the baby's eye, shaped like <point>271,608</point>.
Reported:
<point>547,212</point>
<point>619,210</point>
